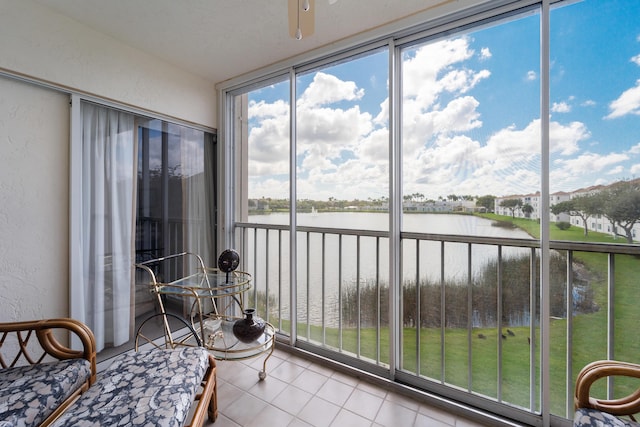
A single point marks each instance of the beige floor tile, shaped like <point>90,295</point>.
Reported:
<point>222,421</point>
<point>292,399</point>
<point>364,404</point>
<point>423,420</point>
<point>327,372</point>
<point>273,416</point>
<point>287,371</point>
<point>298,393</point>
<point>403,400</point>
<point>268,389</point>
<point>318,412</point>
<point>347,379</point>
<point>227,394</point>
<point>335,391</point>
<point>258,363</point>
<point>371,388</point>
<point>245,378</point>
<point>310,381</point>
<point>347,418</point>
<point>246,410</point>
<point>297,422</point>
<point>393,414</point>
<point>300,361</point>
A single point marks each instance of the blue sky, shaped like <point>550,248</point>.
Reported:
<point>471,110</point>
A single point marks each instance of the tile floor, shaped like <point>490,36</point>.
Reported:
<point>300,393</point>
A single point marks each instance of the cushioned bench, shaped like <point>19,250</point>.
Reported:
<point>585,417</point>
<point>44,382</point>
<point>40,376</point>
<point>29,394</point>
<point>155,387</point>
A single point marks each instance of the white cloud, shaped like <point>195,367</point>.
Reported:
<point>635,169</point>
<point>269,154</point>
<point>459,115</point>
<point>636,59</point>
<point>635,149</point>
<point>565,139</point>
<point>436,169</point>
<point>374,148</point>
<point>485,53</point>
<point>326,89</point>
<point>429,73</point>
<point>512,144</point>
<point>270,141</point>
<point>590,162</point>
<point>263,109</point>
<point>419,126</point>
<point>353,179</point>
<point>508,163</point>
<point>343,151</point>
<point>531,75</point>
<point>627,103</point>
<point>324,133</point>
<point>616,170</point>
<point>271,187</point>
<point>560,107</point>
<point>383,116</point>
<point>588,103</point>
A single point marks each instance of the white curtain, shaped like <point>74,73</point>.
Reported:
<point>108,221</point>
<point>198,189</point>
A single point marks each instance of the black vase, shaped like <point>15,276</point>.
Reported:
<point>250,328</point>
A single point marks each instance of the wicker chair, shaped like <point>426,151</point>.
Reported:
<point>591,411</point>
<point>40,376</point>
<point>45,383</point>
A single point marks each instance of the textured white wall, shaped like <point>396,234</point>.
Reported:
<point>34,139</point>
<point>34,202</point>
<point>40,43</point>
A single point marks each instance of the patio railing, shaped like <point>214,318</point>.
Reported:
<point>468,324</point>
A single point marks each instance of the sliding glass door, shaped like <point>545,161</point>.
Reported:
<point>146,190</point>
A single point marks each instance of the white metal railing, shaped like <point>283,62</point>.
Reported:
<point>343,285</point>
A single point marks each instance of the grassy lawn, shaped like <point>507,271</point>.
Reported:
<point>589,336</point>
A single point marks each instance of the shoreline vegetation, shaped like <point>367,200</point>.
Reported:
<point>589,320</point>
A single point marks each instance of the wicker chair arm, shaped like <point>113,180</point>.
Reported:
<point>43,330</point>
<point>594,371</point>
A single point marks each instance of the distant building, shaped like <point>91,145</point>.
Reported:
<point>555,198</point>
<point>535,202</point>
<point>597,223</point>
<point>258,205</point>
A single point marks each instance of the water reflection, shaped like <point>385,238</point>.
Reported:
<point>343,268</point>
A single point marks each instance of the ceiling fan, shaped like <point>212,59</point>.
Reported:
<point>302,18</point>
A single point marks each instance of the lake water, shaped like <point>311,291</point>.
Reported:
<point>466,225</point>
<point>424,261</point>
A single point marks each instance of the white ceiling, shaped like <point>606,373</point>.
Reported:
<point>221,39</point>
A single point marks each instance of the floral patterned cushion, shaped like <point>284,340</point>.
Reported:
<point>594,418</point>
<point>150,388</point>
<point>29,394</point>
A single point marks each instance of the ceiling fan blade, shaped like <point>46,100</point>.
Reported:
<point>298,18</point>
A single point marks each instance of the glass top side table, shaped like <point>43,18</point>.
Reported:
<point>211,329</point>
